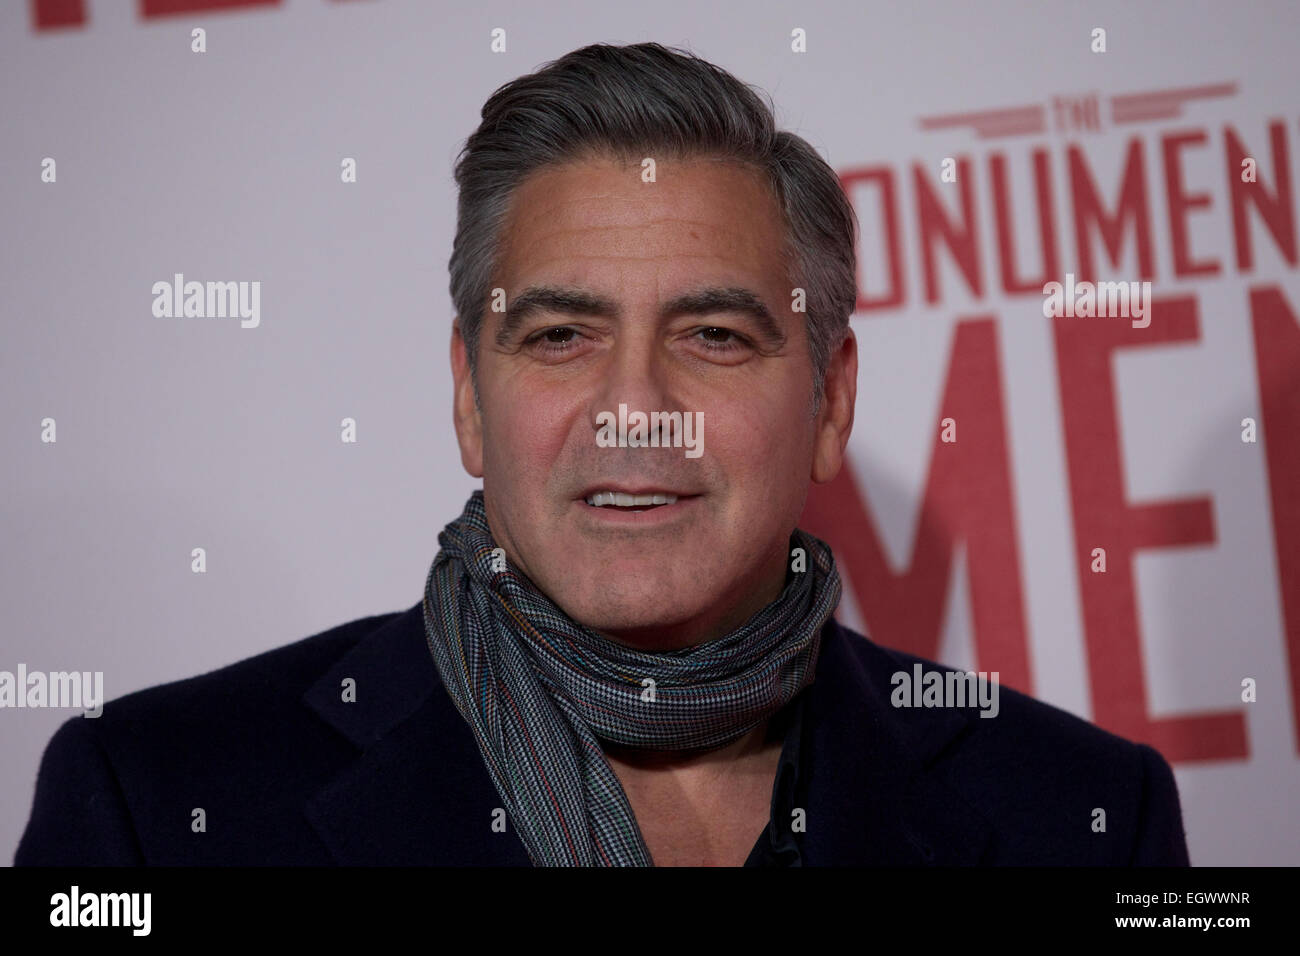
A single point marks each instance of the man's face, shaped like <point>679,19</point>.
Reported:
<point>626,252</point>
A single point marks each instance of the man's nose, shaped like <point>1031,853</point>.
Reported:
<point>637,375</point>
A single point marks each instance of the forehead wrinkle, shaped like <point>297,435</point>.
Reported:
<point>545,218</point>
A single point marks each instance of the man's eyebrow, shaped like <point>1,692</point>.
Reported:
<point>549,298</point>
<point>728,299</point>
<point>704,301</point>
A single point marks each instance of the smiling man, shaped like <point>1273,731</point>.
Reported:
<point>668,294</point>
<point>625,655</point>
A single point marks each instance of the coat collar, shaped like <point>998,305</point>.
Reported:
<point>867,770</point>
<point>869,773</point>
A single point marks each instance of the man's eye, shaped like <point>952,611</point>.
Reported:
<point>736,341</point>
<point>553,340</point>
<point>560,339</point>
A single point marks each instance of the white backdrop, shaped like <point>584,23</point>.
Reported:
<point>176,434</point>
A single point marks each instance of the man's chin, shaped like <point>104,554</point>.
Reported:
<point>648,621</point>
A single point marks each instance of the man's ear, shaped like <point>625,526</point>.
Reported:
<point>835,419</point>
<point>465,412</point>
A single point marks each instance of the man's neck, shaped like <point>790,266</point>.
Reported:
<point>702,809</point>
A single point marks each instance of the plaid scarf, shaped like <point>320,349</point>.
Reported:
<point>540,690</point>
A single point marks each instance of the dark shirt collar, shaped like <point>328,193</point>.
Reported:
<point>777,845</point>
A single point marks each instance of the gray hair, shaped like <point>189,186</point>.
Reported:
<point>646,99</point>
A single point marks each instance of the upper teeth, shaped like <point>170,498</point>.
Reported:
<point>602,498</point>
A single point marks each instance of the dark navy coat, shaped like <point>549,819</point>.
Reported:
<point>288,773</point>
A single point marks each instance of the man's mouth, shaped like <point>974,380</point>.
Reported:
<point>633,503</point>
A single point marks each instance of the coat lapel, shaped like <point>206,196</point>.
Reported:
<point>417,793</point>
<point>874,795</point>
